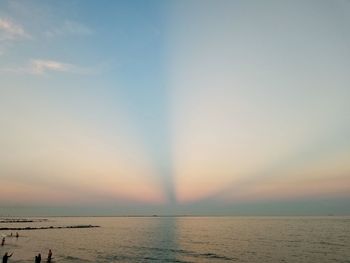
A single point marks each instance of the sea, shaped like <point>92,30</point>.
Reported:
<point>183,239</point>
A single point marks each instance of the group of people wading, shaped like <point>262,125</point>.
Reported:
<point>6,256</point>
<point>49,257</point>
<point>37,258</point>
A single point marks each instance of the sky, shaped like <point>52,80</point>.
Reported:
<point>174,107</point>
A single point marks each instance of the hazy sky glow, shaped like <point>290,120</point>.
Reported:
<point>174,107</point>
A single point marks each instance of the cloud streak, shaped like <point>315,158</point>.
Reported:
<point>39,66</point>
<point>10,30</point>
<point>43,67</point>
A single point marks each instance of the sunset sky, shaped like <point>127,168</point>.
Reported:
<point>174,107</point>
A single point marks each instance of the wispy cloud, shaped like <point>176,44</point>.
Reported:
<point>42,67</point>
<point>38,66</point>
<point>69,27</point>
<point>9,30</point>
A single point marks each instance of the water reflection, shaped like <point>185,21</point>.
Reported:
<point>137,240</point>
<point>163,241</point>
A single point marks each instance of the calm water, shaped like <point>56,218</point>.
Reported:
<point>187,239</point>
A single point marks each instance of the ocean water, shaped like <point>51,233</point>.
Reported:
<point>185,239</point>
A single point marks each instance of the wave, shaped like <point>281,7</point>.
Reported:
<point>183,252</point>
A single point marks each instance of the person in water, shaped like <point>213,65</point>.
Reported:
<point>38,258</point>
<point>49,256</point>
<point>6,257</point>
<point>3,242</point>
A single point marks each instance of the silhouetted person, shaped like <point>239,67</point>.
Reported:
<point>17,235</point>
<point>49,256</point>
<point>6,257</point>
<point>38,258</point>
<point>3,241</point>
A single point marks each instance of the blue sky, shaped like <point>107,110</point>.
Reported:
<point>205,107</point>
